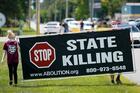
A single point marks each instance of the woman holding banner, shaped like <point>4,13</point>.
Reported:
<point>11,50</point>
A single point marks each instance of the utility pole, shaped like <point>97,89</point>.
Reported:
<point>55,11</point>
<point>67,8</point>
<point>92,9</point>
<point>29,15</point>
<point>37,17</point>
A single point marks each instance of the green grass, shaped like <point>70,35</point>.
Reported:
<point>89,84</point>
<point>27,31</point>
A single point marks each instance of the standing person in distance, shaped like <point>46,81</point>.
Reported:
<point>11,51</point>
<point>81,25</point>
<point>66,27</point>
<point>118,80</point>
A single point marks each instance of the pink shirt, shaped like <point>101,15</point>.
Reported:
<point>11,47</point>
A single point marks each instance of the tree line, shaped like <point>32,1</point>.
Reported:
<point>55,9</point>
<point>14,10</point>
<point>80,8</point>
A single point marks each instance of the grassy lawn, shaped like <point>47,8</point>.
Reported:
<point>89,84</point>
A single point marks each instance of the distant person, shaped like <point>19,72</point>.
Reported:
<point>81,25</point>
<point>66,28</point>
<point>117,79</point>
<point>11,50</point>
<point>61,28</point>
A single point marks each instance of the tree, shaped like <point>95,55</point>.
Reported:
<point>10,9</point>
<point>14,9</point>
<point>110,7</point>
<point>56,9</point>
<point>49,8</point>
<point>82,9</point>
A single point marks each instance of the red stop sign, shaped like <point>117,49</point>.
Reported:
<point>42,55</point>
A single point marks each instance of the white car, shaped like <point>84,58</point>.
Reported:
<point>94,20</point>
<point>52,27</point>
<point>66,20</point>
<point>135,35</point>
<point>74,26</point>
<point>87,25</point>
<point>134,32</point>
<point>138,20</point>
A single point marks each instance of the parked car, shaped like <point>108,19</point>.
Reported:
<point>121,26</point>
<point>115,22</point>
<point>74,26</point>
<point>66,20</point>
<point>135,35</point>
<point>52,27</point>
<point>87,25</point>
<point>94,20</point>
<point>134,32</point>
<point>138,20</point>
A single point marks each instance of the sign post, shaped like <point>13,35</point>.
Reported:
<point>2,19</point>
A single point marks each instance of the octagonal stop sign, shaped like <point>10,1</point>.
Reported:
<point>42,55</point>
